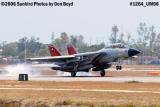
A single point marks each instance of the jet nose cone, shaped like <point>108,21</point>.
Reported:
<point>132,52</point>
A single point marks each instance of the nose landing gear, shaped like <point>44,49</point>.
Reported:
<point>118,67</point>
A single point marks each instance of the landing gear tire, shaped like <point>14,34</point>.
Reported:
<point>102,73</point>
<point>73,74</point>
<point>118,67</point>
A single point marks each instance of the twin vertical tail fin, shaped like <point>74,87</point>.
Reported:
<point>71,49</point>
<point>53,51</point>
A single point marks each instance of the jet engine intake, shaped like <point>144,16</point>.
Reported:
<point>85,67</point>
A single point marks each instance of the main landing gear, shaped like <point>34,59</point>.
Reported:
<point>118,67</point>
<point>73,74</point>
<point>102,73</point>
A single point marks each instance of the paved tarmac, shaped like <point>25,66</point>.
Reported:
<point>85,78</point>
<point>89,77</point>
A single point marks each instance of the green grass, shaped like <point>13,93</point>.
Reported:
<point>86,104</point>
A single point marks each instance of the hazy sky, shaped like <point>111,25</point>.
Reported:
<point>91,18</point>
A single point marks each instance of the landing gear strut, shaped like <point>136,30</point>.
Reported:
<point>118,67</point>
<point>102,73</point>
<point>73,74</point>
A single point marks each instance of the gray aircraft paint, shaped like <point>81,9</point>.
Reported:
<point>98,60</point>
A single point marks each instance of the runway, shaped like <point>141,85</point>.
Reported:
<point>116,88</point>
<point>85,78</point>
<point>129,74</point>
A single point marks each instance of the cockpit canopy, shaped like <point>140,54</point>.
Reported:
<point>116,45</point>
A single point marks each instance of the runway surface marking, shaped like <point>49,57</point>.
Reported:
<point>84,90</point>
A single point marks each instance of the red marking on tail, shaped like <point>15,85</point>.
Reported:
<point>71,50</point>
<point>53,51</point>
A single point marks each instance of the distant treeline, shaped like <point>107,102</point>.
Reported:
<point>147,40</point>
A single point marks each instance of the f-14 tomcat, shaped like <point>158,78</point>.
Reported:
<point>82,62</point>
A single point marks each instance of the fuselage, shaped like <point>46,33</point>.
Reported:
<point>98,60</point>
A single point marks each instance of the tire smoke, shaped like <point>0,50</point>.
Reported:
<point>13,70</point>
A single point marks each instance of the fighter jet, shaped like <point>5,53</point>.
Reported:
<point>83,62</point>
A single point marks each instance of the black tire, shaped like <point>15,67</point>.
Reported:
<point>117,67</point>
<point>120,67</point>
<point>73,74</point>
<point>102,73</point>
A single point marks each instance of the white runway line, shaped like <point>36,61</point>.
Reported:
<point>83,90</point>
